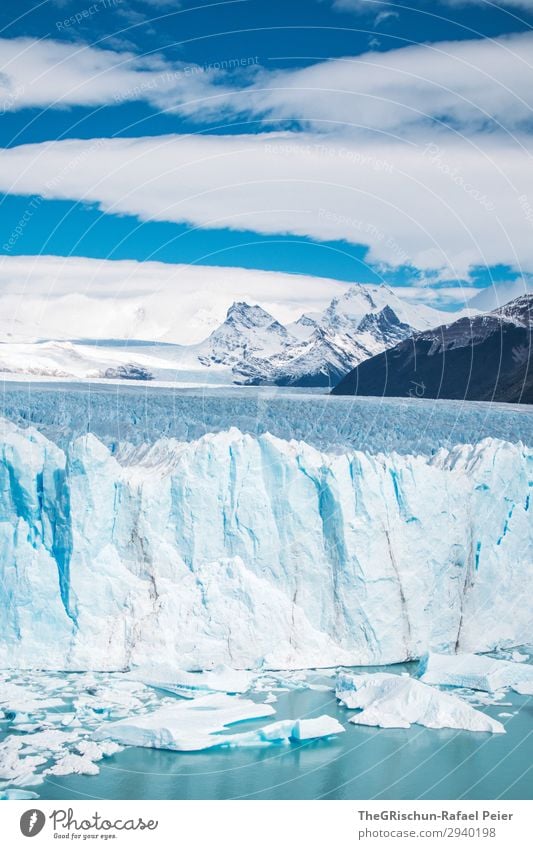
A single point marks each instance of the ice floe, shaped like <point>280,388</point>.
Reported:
<point>52,717</point>
<point>73,765</point>
<point>397,701</point>
<point>18,794</point>
<point>222,679</point>
<point>475,671</point>
<point>185,726</point>
<point>15,769</point>
<point>202,722</point>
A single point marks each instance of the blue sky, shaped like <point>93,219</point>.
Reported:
<point>351,139</point>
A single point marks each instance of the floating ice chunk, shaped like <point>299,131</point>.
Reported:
<point>15,769</point>
<point>185,726</point>
<point>198,724</point>
<point>111,699</point>
<point>10,793</point>
<point>524,688</point>
<point>284,732</point>
<point>271,698</point>
<point>222,679</point>
<point>505,714</point>
<point>393,701</point>
<point>321,726</point>
<point>49,740</point>
<point>23,701</point>
<point>27,727</point>
<point>291,680</point>
<point>73,765</point>
<point>97,751</point>
<point>519,657</point>
<point>474,671</point>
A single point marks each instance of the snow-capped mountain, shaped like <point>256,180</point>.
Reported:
<point>483,357</point>
<point>247,332</point>
<point>319,348</point>
<point>249,347</point>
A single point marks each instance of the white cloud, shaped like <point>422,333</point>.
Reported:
<point>437,205</point>
<point>381,17</point>
<point>468,84</point>
<point>384,174</point>
<point>48,73</point>
<point>367,6</point>
<point>500,293</point>
<point>77,297</point>
<point>527,5</point>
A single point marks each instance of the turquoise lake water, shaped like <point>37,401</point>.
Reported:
<point>362,763</point>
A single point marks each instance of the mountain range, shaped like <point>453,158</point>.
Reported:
<point>250,347</point>
<point>318,349</point>
<point>486,357</point>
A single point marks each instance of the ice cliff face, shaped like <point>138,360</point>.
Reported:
<point>255,551</point>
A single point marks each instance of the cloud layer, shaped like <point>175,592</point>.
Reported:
<point>466,85</point>
<point>442,204</point>
<point>421,153</point>
<point>76,297</point>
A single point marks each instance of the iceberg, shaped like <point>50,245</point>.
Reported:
<point>73,765</point>
<point>17,794</point>
<point>475,672</point>
<point>287,731</point>
<point>199,724</point>
<point>16,767</point>
<point>397,701</point>
<point>255,553</point>
<point>312,729</point>
<point>222,679</point>
<point>184,726</point>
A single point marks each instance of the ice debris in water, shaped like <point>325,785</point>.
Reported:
<point>15,769</point>
<point>222,679</point>
<point>476,672</point>
<point>396,701</point>
<point>73,765</point>
<point>199,724</point>
<point>18,794</point>
<point>63,711</point>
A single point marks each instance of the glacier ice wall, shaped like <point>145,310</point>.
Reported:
<point>252,550</point>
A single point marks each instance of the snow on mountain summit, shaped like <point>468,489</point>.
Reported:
<point>320,348</point>
<point>247,331</point>
<point>250,346</point>
<point>362,299</point>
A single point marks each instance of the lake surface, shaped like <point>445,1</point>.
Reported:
<point>362,763</point>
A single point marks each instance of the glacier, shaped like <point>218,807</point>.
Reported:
<point>254,551</point>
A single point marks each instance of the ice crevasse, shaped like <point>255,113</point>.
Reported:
<point>253,551</point>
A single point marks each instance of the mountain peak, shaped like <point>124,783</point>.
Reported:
<point>519,310</point>
<point>248,315</point>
